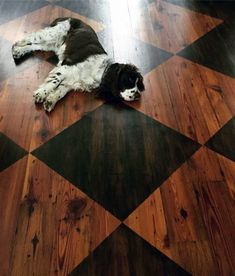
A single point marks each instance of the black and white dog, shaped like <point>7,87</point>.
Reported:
<point>83,64</point>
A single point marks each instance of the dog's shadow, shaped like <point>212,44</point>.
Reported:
<point>119,104</point>
<point>45,56</point>
<point>20,60</point>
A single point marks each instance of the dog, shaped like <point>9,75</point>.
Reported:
<point>83,64</point>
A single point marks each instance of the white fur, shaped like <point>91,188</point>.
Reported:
<point>48,39</point>
<point>84,76</point>
<point>129,95</point>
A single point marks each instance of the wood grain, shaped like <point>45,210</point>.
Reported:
<point>47,225</point>
<point>32,125</point>
<point>168,26</point>
<point>18,28</point>
<point>101,153</point>
<point>129,255</point>
<point>11,186</point>
<point>190,98</point>
<point>18,124</point>
<point>57,226</point>
<point>191,217</point>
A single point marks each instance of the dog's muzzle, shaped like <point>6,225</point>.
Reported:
<point>130,95</point>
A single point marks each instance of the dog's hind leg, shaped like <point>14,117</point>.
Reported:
<point>48,39</point>
<point>33,42</point>
<point>54,79</point>
<point>19,51</point>
<point>54,96</point>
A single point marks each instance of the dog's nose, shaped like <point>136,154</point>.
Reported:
<point>137,96</point>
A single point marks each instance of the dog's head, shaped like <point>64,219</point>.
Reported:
<point>121,81</point>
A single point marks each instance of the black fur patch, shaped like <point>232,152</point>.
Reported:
<point>81,42</point>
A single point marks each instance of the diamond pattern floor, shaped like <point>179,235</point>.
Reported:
<point>144,188</point>
<point>117,134</point>
<point>150,261</point>
<point>217,60</point>
<point>9,152</point>
<point>221,145</point>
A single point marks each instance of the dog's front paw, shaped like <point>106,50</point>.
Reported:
<point>40,95</point>
<point>48,105</point>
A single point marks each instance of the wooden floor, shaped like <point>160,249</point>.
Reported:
<point>106,189</point>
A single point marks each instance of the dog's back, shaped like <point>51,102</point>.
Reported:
<point>81,41</point>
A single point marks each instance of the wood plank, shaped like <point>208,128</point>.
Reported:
<point>17,108</point>
<point>190,98</point>
<point>11,186</point>
<point>18,28</point>
<point>47,225</point>
<point>58,225</point>
<point>30,124</point>
<point>191,217</point>
<point>168,26</point>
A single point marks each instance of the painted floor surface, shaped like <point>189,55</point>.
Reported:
<point>110,189</point>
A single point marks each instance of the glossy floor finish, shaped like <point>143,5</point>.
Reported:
<point>141,188</point>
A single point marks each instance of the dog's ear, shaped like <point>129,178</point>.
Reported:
<point>140,83</point>
<point>129,75</point>
<point>109,87</point>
